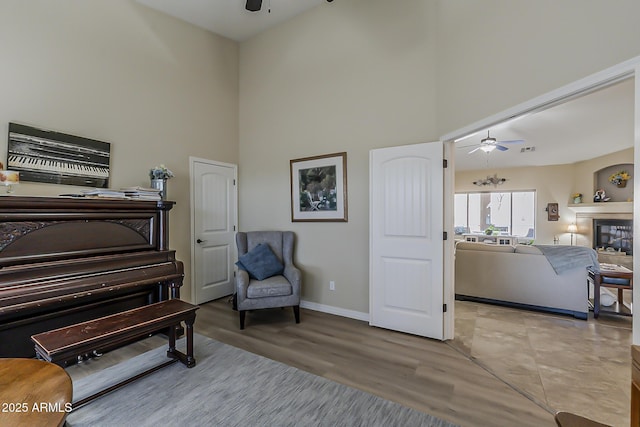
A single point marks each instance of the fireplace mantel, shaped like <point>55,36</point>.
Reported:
<point>602,207</point>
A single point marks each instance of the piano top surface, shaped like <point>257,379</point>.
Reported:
<point>40,203</point>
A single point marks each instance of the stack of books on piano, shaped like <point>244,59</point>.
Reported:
<point>107,193</point>
<point>141,193</point>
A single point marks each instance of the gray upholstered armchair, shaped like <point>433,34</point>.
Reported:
<point>279,290</point>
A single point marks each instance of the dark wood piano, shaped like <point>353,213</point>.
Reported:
<point>68,260</point>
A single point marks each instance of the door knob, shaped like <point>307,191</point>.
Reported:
<point>200,241</point>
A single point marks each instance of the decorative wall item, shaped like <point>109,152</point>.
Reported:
<point>616,180</point>
<point>319,188</point>
<point>620,178</point>
<point>57,158</point>
<point>490,180</point>
<point>552,212</point>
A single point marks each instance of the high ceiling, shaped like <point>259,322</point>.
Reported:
<point>590,126</point>
<point>229,18</point>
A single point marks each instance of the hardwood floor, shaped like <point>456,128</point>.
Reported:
<point>504,368</point>
<point>430,376</point>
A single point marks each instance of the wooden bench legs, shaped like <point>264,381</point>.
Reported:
<point>60,345</point>
<point>187,359</point>
<point>174,354</point>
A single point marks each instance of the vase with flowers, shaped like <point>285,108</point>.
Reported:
<point>577,198</point>
<point>620,179</point>
<point>159,176</point>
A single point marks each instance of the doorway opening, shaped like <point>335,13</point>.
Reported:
<point>506,341</point>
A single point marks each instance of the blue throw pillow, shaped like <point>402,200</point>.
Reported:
<point>260,262</point>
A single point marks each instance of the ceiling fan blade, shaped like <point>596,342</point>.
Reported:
<point>513,141</point>
<point>468,145</point>
<point>474,150</point>
<point>501,148</point>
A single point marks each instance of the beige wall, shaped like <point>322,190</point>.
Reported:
<point>553,184</point>
<point>157,89</point>
<point>584,181</point>
<point>349,76</point>
<point>495,54</point>
<point>360,74</point>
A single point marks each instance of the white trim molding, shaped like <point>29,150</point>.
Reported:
<point>352,314</point>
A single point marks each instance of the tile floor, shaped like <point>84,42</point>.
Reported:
<point>561,363</point>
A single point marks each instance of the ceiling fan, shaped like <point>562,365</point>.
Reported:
<point>489,144</point>
<point>253,5</point>
<point>256,5</point>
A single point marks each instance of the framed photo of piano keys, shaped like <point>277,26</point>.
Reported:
<point>57,158</point>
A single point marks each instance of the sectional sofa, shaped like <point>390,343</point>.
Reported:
<point>520,276</point>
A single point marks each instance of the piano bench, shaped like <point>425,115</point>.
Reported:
<point>61,345</point>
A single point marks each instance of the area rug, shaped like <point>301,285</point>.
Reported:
<point>231,387</point>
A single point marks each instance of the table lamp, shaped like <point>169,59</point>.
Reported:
<point>572,229</point>
<point>9,179</point>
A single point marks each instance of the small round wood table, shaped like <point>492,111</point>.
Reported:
<point>33,393</point>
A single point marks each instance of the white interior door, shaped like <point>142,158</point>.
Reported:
<point>214,219</point>
<point>406,239</point>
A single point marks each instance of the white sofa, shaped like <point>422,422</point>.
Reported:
<point>518,276</point>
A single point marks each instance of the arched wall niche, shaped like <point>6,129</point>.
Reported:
<point>615,193</point>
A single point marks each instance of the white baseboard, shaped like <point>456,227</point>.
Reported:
<point>352,314</point>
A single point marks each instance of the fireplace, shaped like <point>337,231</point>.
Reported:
<point>613,235</point>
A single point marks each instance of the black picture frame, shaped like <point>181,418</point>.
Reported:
<point>57,158</point>
<point>319,188</point>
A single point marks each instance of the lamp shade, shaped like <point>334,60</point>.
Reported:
<point>572,228</point>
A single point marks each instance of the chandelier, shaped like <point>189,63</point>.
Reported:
<point>490,180</point>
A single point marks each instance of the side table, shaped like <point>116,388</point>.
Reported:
<point>610,276</point>
<point>33,393</point>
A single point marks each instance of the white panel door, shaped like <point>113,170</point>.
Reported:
<point>406,246</point>
<point>214,222</point>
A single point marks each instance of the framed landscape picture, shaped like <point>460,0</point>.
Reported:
<point>319,188</point>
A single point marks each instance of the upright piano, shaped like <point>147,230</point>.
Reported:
<point>68,260</point>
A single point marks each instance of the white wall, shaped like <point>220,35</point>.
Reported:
<point>360,74</point>
<point>157,89</point>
